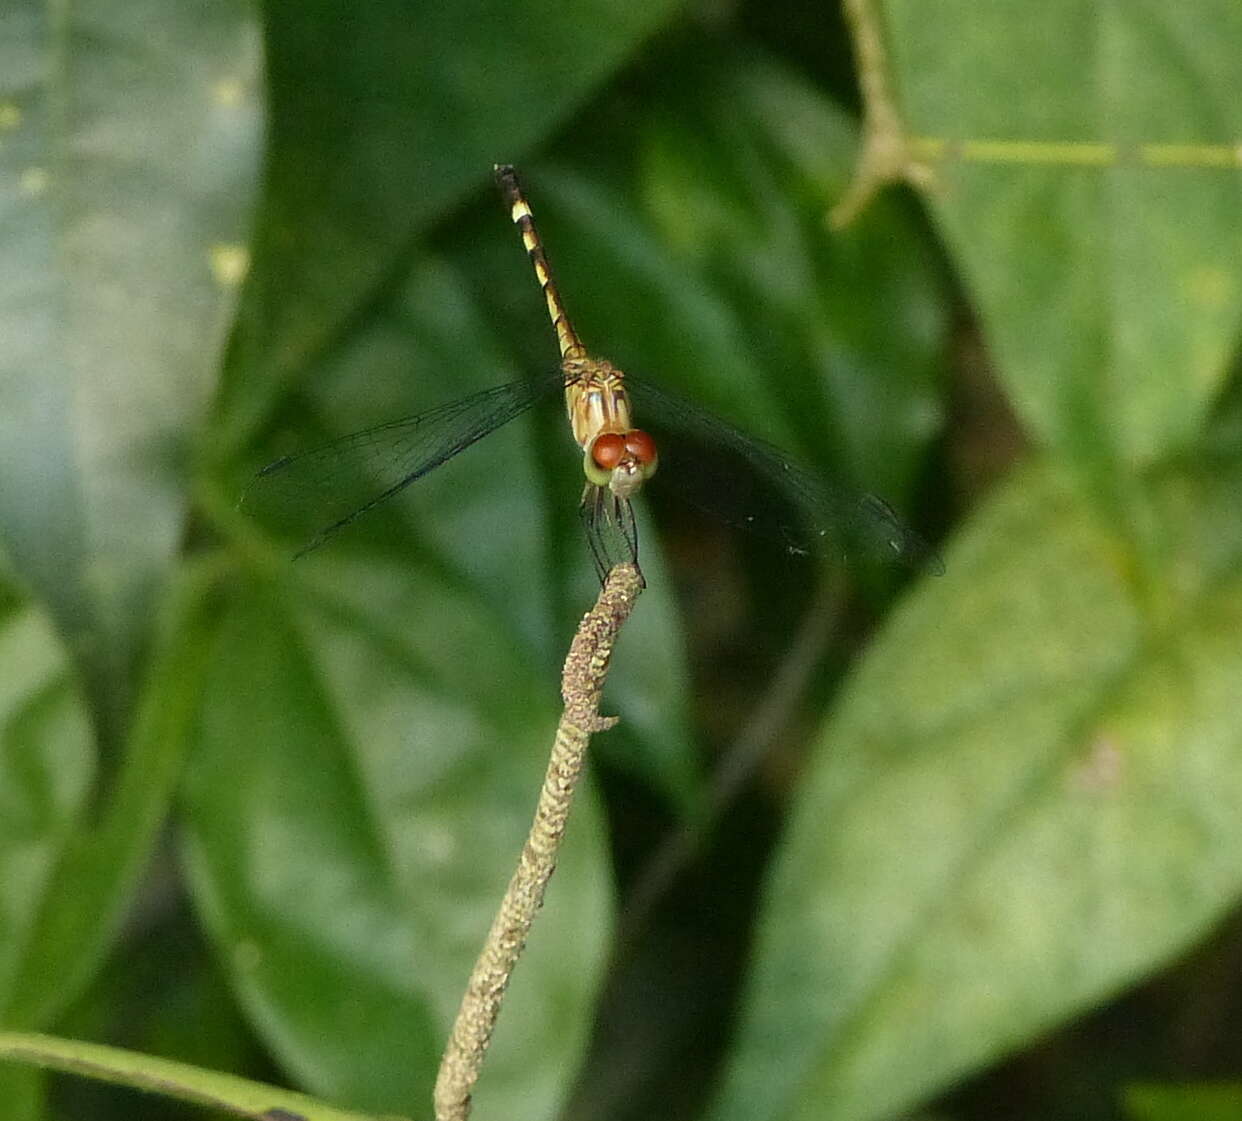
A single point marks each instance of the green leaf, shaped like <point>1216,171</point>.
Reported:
<point>838,337</point>
<point>1202,1101</point>
<point>1018,809</point>
<point>368,758</point>
<point>74,892</point>
<point>47,766</point>
<point>128,157</point>
<point>161,991</point>
<point>1091,198</point>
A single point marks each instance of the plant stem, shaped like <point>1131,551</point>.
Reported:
<point>582,682</point>
<point>886,151</point>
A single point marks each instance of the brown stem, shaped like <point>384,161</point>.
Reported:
<point>582,681</point>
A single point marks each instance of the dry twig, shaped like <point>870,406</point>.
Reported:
<point>582,681</point>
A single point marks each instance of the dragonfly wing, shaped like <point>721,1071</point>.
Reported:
<point>732,476</point>
<point>346,478</point>
<point>611,531</point>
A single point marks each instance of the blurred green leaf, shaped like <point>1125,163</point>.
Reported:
<point>47,764</point>
<point>1194,1102</point>
<point>366,770</point>
<point>129,156</point>
<point>85,876</point>
<point>1110,287</point>
<point>69,868</point>
<point>1013,814</point>
<point>840,337</point>
<point>23,1093</point>
<point>160,992</point>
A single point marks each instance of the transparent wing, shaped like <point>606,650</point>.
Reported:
<point>732,476</point>
<point>340,481</point>
<point>611,531</point>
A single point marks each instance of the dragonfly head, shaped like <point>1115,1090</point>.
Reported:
<point>622,462</point>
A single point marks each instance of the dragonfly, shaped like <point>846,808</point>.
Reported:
<point>811,515</point>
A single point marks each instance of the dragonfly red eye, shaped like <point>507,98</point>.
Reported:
<point>641,446</point>
<point>608,449</point>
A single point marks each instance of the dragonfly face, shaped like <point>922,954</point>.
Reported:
<point>615,455</point>
<point>620,461</point>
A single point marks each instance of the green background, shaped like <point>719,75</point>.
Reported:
<point>984,859</point>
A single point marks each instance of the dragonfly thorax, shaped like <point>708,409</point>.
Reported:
<point>595,399</point>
